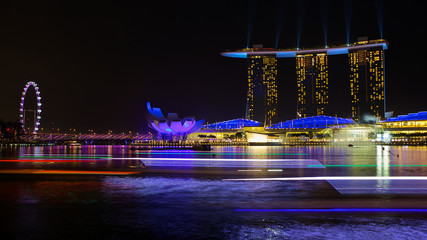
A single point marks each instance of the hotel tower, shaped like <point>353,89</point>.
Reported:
<point>312,84</point>
<point>367,83</point>
<point>261,102</point>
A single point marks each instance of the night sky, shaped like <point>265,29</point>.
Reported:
<point>98,63</point>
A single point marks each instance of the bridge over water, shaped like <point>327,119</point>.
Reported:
<point>122,138</point>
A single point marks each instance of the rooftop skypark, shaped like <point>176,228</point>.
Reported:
<point>291,53</point>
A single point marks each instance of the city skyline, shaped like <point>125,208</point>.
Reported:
<point>96,68</point>
<point>247,119</point>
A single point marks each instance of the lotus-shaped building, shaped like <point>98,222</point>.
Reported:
<point>172,127</point>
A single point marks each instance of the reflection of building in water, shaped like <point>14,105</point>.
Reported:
<point>383,160</point>
<point>383,167</point>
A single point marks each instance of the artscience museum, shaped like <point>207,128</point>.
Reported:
<point>172,127</point>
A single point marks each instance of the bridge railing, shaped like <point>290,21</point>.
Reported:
<point>82,137</point>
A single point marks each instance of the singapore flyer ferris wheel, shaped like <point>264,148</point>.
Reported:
<point>25,114</point>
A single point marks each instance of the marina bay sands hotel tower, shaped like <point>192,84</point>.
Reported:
<point>261,104</point>
<point>367,81</point>
<point>312,84</point>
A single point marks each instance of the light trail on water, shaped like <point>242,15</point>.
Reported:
<point>217,159</point>
<point>290,210</point>
<point>367,165</point>
<point>222,153</point>
<point>327,178</point>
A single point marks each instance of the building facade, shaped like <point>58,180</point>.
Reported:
<point>171,128</point>
<point>367,84</point>
<point>261,102</point>
<point>312,84</point>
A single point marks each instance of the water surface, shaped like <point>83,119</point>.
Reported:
<point>184,194</point>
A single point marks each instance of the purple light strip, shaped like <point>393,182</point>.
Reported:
<point>334,210</point>
<point>219,160</point>
<point>326,178</point>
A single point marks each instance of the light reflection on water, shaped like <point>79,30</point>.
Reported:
<point>347,229</point>
<point>201,206</point>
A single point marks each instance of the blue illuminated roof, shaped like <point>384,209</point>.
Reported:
<point>293,53</point>
<point>410,117</point>
<point>312,122</point>
<point>233,124</point>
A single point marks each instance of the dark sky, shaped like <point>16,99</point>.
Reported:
<point>98,62</point>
